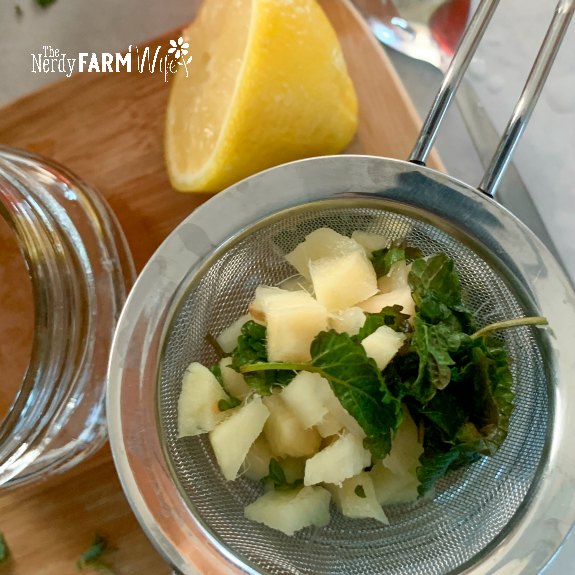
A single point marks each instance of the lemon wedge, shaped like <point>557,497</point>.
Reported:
<point>267,84</point>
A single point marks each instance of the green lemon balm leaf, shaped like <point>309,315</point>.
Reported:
<point>434,345</point>
<point>455,380</point>
<point>470,417</point>
<point>436,290</point>
<point>434,466</point>
<point>277,478</point>
<point>357,382</point>
<point>487,396</point>
<point>217,371</point>
<point>360,491</point>
<point>276,473</point>
<point>390,316</point>
<point>230,403</point>
<point>384,259</point>
<point>252,348</point>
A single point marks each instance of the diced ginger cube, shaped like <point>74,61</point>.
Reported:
<point>370,241</point>
<point>292,325</point>
<point>395,478</point>
<point>321,243</point>
<point>406,449</point>
<point>344,458</point>
<point>228,339</point>
<point>329,426</point>
<point>391,488</point>
<point>311,399</point>
<point>198,410</point>
<point>234,382</point>
<point>296,283</point>
<point>356,498</point>
<point>338,266</point>
<point>348,321</point>
<point>286,436</point>
<point>265,294</point>
<point>232,438</point>
<point>257,462</point>
<point>342,281</point>
<point>293,319</point>
<point>382,345</point>
<point>337,418</point>
<point>305,395</point>
<point>400,297</point>
<point>290,511</point>
<point>396,278</point>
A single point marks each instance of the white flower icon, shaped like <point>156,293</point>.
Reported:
<point>179,48</point>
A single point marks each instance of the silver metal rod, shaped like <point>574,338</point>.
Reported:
<point>452,79</point>
<point>524,108</point>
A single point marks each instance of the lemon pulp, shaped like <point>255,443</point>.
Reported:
<point>267,84</point>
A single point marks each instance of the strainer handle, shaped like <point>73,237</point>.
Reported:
<point>531,91</point>
<point>457,68</point>
<point>539,72</point>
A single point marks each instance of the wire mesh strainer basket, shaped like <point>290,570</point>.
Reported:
<point>480,500</point>
<point>505,514</point>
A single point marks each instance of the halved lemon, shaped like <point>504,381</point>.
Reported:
<point>267,84</point>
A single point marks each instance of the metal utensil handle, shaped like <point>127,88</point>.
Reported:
<point>526,103</point>
<point>459,63</point>
<point>522,113</point>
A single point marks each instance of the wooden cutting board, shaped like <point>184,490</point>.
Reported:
<point>108,129</point>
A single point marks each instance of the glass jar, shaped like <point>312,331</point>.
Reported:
<point>65,270</point>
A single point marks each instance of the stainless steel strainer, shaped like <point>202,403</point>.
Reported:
<point>503,515</point>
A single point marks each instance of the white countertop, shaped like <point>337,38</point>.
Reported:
<point>545,156</point>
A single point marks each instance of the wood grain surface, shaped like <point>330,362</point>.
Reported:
<point>107,128</point>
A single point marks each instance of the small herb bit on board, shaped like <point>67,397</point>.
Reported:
<point>4,550</point>
<point>45,3</point>
<point>92,557</point>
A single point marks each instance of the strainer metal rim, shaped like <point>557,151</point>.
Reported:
<point>135,356</point>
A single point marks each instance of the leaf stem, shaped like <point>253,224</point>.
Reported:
<point>250,367</point>
<point>215,345</point>
<point>519,321</point>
